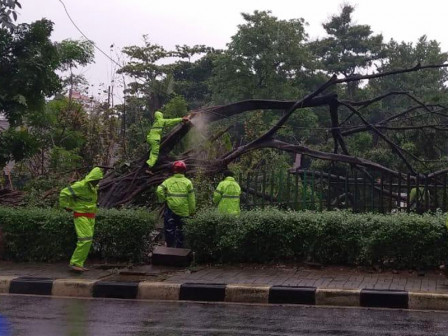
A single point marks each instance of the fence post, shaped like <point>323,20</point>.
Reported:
<point>417,196</point>
<point>346,188</point>
<point>280,187</point>
<point>254,196</point>
<point>381,192</point>
<point>321,190</point>
<point>444,193</point>
<point>329,190</point>
<point>372,189</point>
<point>355,194</point>
<point>364,192</point>
<point>304,186</point>
<point>408,192</point>
<point>426,191</point>
<point>263,187</point>
<point>247,188</point>
<point>435,187</point>
<point>288,189</point>
<point>312,190</point>
<point>240,181</point>
<point>390,192</point>
<point>296,191</point>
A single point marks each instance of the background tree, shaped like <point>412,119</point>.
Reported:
<point>8,13</point>
<point>427,143</point>
<point>153,79</point>
<point>266,58</point>
<point>349,48</point>
<point>74,53</point>
<point>192,73</point>
<point>28,60</point>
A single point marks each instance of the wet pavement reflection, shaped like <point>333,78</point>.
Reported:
<point>34,315</point>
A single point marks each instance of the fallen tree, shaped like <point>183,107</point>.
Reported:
<point>121,188</point>
<point>11,197</point>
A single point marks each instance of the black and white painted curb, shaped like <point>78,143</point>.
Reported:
<point>147,290</point>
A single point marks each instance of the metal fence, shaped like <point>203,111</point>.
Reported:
<point>368,191</point>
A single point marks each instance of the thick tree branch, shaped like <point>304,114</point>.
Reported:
<point>212,114</point>
<point>418,67</point>
<point>298,149</point>
<point>122,188</point>
<point>398,150</point>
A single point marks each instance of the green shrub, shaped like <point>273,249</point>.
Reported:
<point>34,234</point>
<point>262,236</point>
<point>337,237</point>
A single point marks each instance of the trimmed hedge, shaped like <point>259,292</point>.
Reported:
<point>337,237</point>
<point>34,234</point>
<point>394,240</point>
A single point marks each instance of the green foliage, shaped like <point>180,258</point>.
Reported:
<point>299,128</point>
<point>267,58</point>
<point>101,132</point>
<point>136,139</point>
<point>398,240</point>
<point>204,186</point>
<point>428,86</point>
<point>60,132</point>
<point>360,143</point>
<point>74,53</point>
<point>43,191</point>
<point>175,108</point>
<point>27,69</point>
<point>349,47</point>
<point>27,64</point>
<point>8,13</point>
<point>69,137</point>
<point>155,80</point>
<point>32,234</point>
<point>191,78</point>
<point>64,160</point>
<point>16,145</point>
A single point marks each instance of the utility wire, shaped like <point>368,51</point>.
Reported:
<point>94,44</point>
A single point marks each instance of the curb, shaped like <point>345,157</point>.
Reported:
<point>241,293</point>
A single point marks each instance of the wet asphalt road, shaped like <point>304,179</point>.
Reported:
<point>33,315</point>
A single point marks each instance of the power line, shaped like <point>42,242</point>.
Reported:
<point>94,44</point>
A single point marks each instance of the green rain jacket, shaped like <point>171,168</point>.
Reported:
<point>227,196</point>
<point>157,127</point>
<point>421,195</point>
<point>82,195</point>
<point>177,191</point>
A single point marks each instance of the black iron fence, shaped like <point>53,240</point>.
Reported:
<point>368,191</point>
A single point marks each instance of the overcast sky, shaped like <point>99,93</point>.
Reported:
<point>211,22</point>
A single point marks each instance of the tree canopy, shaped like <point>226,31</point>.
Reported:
<point>270,94</point>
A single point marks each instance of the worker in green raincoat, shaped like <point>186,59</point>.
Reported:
<point>178,194</point>
<point>81,198</point>
<point>155,134</point>
<point>227,195</point>
<point>417,199</point>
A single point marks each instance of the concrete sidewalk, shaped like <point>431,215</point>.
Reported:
<point>326,277</point>
<point>332,277</point>
<point>296,284</point>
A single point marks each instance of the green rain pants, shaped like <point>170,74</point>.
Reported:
<point>84,230</point>
<point>154,153</point>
